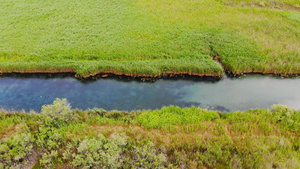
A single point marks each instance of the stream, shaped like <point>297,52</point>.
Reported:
<point>226,95</point>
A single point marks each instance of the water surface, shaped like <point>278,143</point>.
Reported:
<point>228,94</point>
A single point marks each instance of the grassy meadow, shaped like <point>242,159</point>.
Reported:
<point>150,37</point>
<point>61,137</point>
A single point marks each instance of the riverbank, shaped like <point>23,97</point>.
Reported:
<point>172,137</point>
<point>146,38</point>
<point>139,71</point>
<point>143,69</point>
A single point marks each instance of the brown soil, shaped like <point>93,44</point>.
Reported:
<point>33,158</point>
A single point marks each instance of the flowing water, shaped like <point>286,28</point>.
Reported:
<point>228,94</point>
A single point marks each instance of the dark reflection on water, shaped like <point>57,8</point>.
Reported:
<point>229,94</point>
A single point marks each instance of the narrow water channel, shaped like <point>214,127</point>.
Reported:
<point>228,94</point>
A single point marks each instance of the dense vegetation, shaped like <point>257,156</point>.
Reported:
<point>172,137</point>
<point>150,37</point>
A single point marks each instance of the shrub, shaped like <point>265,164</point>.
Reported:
<point>47,159</point>
<point>282,111</point>
<point>148,156</point>
<point>57,114</point>
<point>15,149</point>
<point>286,116</point>
<point>49,141</point>
<point>98,152</point>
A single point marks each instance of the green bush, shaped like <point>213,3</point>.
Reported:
<point>47,159</point>
<point>148,156</point>
<point>15,149</point>
<point>49,140</point>
<point>58,113</point>
<point>287,116</point>
<point>98,152</point>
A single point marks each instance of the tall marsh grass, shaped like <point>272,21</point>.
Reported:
<point>147,37</point>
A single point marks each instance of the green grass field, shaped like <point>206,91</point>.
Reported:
<point>172,137</point>
<point>149,37</point>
